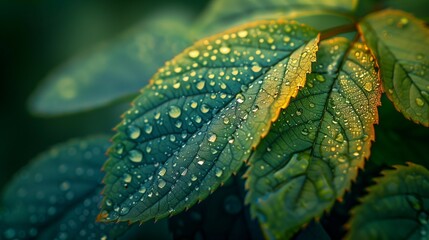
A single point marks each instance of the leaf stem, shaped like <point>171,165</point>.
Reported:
<point>337,30</point>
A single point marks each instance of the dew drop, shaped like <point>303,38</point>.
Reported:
<point>194,104</point>
<point>194,178</point>
<point>242,34</point>
<point>161,183</point>
<point>255,108</point>
<point>200,85</point>
<point>403,22</point>
<point>204,108</point>
<point>218,172</point>
<point>286,39</point>
<point>142,189</point>
<point>304,131</point>
<point>198,119</point>
<point>135,156</point>
<point>119,148</point>
<point>162,172</point>
<point>420,102</point>
<point>256,68</point>
<point>320,78</point>
<point>174,112</point>
<point>148,149</point>
<point>212,137</point>
<point>368,86</point>
<point>127,178</point>
<point>201,162</point>
<point>148,129</point>
<point>124,210</point>
<point>226,120</point>
<point>339,138</point>
<point>134,132</point>
<point>240,98</point>
<point>177,69</point>
<point>176,85</point>
<point>224,50</point>
<point>194,53</point>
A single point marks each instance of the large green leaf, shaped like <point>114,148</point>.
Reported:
<point>199,119</point>
<point>57,195</point>
<point>400,42</point>
<point>395,208</point>
<point>114,70</point>
<point>226,13</point>
<point>314,149</point>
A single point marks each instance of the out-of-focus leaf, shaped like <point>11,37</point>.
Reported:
<point>395,208</point>
<point>226,13</point>
<point>314,149</point>
<point>58,194</point>
<point>418,8</point>
<point>200,117</point>
<point>400,42</point>
<point>114,70</point>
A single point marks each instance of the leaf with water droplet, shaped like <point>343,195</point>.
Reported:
<point>57,195</point>
<point>114,71</point>
<point>218,133</point>
<point>310,158</point>
<point>400,42</point>
<point>395,207</point>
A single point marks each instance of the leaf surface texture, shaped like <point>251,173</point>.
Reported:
<point>314,149</point>
<point>200,117</point>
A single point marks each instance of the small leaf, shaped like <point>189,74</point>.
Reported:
<point>226,13</point>
<point>199,119</point>
<point>395,208</point>
<point>114,70</point>
<point>57,195</point>
<point>314,149</point>
<point>400,42</point>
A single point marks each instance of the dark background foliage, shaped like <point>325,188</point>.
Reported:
<point>39,35</point>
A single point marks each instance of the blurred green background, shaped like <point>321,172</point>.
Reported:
<point>36,37</point>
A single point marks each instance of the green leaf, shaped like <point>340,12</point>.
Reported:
<point>395,208</point>
<point>315,148</point>
<point>226,13</point>
<point>57,195</point>
<point>114,70</point>
<point>199,119</point>
<point>400,42</point>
